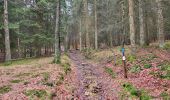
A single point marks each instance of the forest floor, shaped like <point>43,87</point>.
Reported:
<point>89,75</point>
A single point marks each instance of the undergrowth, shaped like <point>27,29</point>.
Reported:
<point>130,92</point>
<point>135,69</point>
<point>88,53</point>
<point>110,72</point>
<point>16,81</point>
<point>40,94</point>
<point>5,89</point>
<point>167,46</point>
<point>166,68</point>
<point>18,62</point>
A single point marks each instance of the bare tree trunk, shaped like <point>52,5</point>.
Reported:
<point>161,37</point>
<point>57,34</point>
<point>132,26</point>
<point>19,48</point>
<point>80,35</point>
<point>86,23</point>
<point>111,39</point>
<point>123,17</point>
<point>142,24</point>
<point>6,28</point>
<point>66,41</point>
<point>96,33</point>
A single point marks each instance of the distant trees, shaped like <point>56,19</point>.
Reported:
<point>6,28</point>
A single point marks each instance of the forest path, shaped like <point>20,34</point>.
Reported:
<point>93,83</point>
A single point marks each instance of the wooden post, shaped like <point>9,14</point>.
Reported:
<point>124,61</point>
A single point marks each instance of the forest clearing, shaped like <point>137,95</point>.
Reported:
<point>84,50</point>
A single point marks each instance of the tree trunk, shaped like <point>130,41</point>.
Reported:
<point>80,35</point>
<point>57,34</point>
<point>86,23</point>
<point>123,22</point>
<point>132,26</point>
<point>95,15</point>
<point>142,24</point>
<point>19,47</point>
<point>161,37</point>
<point>111,39</point>
<point>6,28</point>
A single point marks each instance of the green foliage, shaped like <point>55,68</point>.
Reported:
<point>165,96</point>
<point>119,61</point>
<point>18,62</point>
<point>66,67</point>
<point>5,89</point>
<point>156,74</point>
<point>166,76</point>
<point>110,72</point>
<point>135,69</point>
<point>133,91</point>
<point>16,81</point>
<point>65,63</point>
<point>147,66</point>
<point>8,63</point>
<point>167,46</point>
<point>57,59</point>
<point>41,94</point>
<point>13,25</point>
<point>131,58</point>
<point>141,94</point>
<point>166,68</point>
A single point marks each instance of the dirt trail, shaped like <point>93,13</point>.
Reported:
<point>93,83</point>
